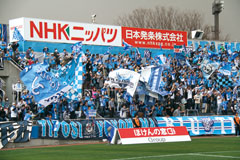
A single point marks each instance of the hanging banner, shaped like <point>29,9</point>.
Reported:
<point>153,135</point>
<point>44,30</point>
<point>201,125</point>
<point>86,129</point>
<point>99,129</point>
<point>15,132</point>
<point>153,38</point>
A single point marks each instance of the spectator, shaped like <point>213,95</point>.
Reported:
<point>112,107</point>
<point>237,125</point>
<point>14,112</point>
<point>123,112</point>
<point>177,112</point>
<point>2,114</point>
<point>3,44</point>
<point>136,122</point>
<point>197,99</point>
<point>28,116</point>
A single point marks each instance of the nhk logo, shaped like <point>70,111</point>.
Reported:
<point>58,30</point>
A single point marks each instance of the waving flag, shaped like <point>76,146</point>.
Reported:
<point>17,35</point>
<point>42,84</point>
<point>226,69</point>
<point>78,81</point>
<point>188,64</point>
<point>124,78</point>
<point>126,46</point>
<point>178,49</point>
<point>111,132</point>
<point>234,55</point>
<point>155,80</point>
<point>108,51</point>
<point>71,74</point>
<point>208,67</point>
<point>211,53</point>
<point>137,53</point>
<point>77,47</point>
<point>161,59</point>
<point>127,97</point>
<point>147,54</point>
<point>15,132</point>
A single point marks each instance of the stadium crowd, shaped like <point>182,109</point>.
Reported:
<point>189,89</point>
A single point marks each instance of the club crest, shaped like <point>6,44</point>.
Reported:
<point>207,124</point>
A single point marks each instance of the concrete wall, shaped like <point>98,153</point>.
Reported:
<point>10,75</point>
<point>50,142</point>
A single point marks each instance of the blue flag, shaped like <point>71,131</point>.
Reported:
<point>137,53</point>
<point>127,97</point>
<point>42,85</point>
<point>234,55</point>
<point>17,35</point>
<point>4,32</point>
<point>77,47</point>
<point>155,80</point>
<point>226,69</point>
<point>160,59</point>
<point>108,51</point>
<point>71,74</point>
<point>126,46</point>
<point>111,132</point>
<point>208,67</point>
<point>188,64</point>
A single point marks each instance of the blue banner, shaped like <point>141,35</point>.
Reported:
<point>201,125</point>
<point>86,129</point>
<point>42,84</point>
<point>99,129</point>
<point>15,132</point>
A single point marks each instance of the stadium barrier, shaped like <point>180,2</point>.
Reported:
<point>97,129</point>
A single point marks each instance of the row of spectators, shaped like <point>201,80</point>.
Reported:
<point>189,89</point>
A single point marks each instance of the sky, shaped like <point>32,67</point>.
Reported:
<point>108,11</point>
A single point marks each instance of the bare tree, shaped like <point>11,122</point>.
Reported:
<point>168,19</point>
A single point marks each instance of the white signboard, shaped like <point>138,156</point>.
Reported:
<point>33,29</point>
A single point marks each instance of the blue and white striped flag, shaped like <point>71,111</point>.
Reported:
<point>188,64</point>
<point>17,35</point>
<point>78,77</point>
<point>137,53</point>
<point>74,73</point>
<point>155,79</point>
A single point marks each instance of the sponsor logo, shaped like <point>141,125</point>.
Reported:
<point>58,30</point>
<point>156,140</point>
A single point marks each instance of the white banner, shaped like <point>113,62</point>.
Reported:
<point>153,135</point>
<point>67,32</point>
<point>123,78</point>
